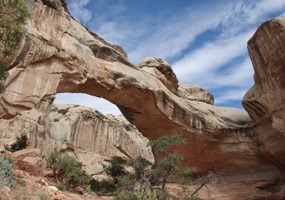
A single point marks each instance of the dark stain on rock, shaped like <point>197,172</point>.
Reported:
<point>23,53</point>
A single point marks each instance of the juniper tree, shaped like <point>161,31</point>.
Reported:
<point>13,16</point>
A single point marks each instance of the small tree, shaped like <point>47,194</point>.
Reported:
<point>116,168</point>
<point>67,170</point>
<point>168,168</point>
<point>52,162</point>
<point>13,15</point>
<point>142,185</point>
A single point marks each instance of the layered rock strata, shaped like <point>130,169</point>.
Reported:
<point>85,133</point>
<point>60,55</point>
<point>265,101</point>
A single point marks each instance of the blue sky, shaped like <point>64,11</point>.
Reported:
<point>204,40</point>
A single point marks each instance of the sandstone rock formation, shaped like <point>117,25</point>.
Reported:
<point>194,92</point>
<point>87,134</point>
<point>265,101</point>
<point>161,70</point>
<point>60,55</point>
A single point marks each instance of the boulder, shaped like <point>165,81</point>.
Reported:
<point>30,152</point>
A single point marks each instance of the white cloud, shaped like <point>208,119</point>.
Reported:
<point>228,95</point>
<point>99,104</point>
<point>261,8</point>
<point>210,57</point>
<point>78,10</point>
<point>173,35</point>
<point>240,76</point>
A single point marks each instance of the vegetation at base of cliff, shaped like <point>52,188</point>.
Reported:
<point>67,170</point>
<point>6,172</point>
<point>148,182</point>
<point>13,15</point>
<point>20,144</point>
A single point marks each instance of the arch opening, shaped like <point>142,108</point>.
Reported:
<point>100,104</point>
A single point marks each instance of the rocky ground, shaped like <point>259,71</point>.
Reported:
<point>34,182</point>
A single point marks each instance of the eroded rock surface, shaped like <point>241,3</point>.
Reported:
<point>265,101</point>
<point>161,70</point>
<point>61,55</point>
<point>194,92</point>
<point>85,133</point>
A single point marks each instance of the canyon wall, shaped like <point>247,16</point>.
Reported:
<point>60,55</point>
<point>87,134</point>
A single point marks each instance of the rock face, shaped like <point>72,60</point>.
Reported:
<point>194,92</point>
<point>60,55</point>
<point>87,134</point>
<point>161,70</point>
<point>265,101</point>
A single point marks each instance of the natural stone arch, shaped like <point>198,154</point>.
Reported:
<point>66,57</point>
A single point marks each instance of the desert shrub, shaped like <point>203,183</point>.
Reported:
<point>126,182</point>
<point>140,164</point>
<point>149,181</point>
<point>31,193</point>
<point>116,168</point>
<point>6,172</point>
<point>102,187</point>
<point>67,169</point>
<point>13,15</point>
<point>20,144</point>
<point>142,195</point>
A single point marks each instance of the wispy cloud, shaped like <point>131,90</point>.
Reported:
<point>230,95</point>
<point>176,33</point>
<point>78,10</point>
<point>210,57</point>
<point>205,42</point>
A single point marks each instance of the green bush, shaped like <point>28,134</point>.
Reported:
<point>142,195</point>
<point>20,144</point>
<point>67,170</point>
<point>13,15</point>
<point>126,182</point>
<point>148,177</point>
<point>102,187</point>
<point>6,172</point>
<point>116,168</point>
